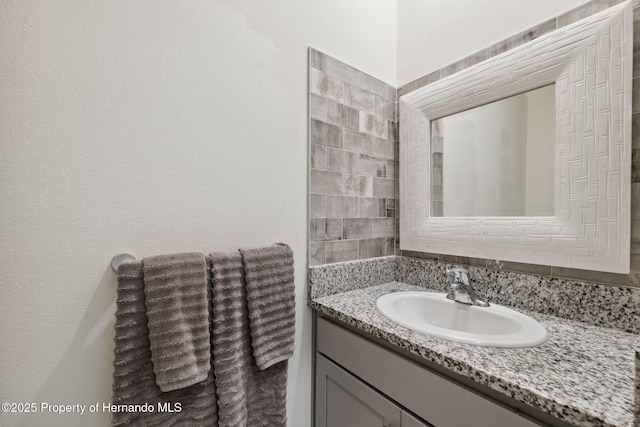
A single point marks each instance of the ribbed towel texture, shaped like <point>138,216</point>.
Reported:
<point>175,288</point>
<point>172,329</point>
<point>247,395</point>
<point>134,381</point>
<point>271,299</point>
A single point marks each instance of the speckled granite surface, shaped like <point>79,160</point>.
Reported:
<point>328,279</point>
<point>583,374</point>
<point>637,389</point>
<point>594,304</point>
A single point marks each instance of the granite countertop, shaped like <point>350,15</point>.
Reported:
<point>583,374</point>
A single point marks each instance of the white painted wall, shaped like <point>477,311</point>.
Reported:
<point>433,34</point>
<point>150,127</point>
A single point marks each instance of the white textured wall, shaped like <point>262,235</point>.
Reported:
<point>150,127</point>
<point>435,33</point>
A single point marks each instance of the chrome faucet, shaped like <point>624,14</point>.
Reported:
<point>461,289</point>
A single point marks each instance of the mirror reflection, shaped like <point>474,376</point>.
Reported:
<point>496,159</point>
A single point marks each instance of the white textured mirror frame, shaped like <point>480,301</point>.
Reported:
<point>591,64</point>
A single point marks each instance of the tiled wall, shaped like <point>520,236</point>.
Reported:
<point>354,170</point>
<point>632,279</point>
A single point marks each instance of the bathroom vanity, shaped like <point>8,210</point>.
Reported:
<point>371,371</point>
<point>361,383</point>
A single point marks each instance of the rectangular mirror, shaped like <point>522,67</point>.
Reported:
<point>496,159</point>
<point>589,64</point>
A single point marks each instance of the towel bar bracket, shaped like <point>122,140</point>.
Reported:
<point>120,258</point>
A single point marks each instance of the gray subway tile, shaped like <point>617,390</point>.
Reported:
<point>436,160</point>
<point>317,107</point>
<point>326,86</point>
<point>436,192</point>
<point>392,94</point>
<point>392,130</point>
<point>325,134</point>
<point>333,112</point>
<point>342,161</point>
<point>635,200</point>
<point>343,250</point>
<point>636,25</point>
<point>342,207</point>
<point>359,99</point>
<point>357,185</point>
<point>341,115</point>
<point>349,117</point>
<point>322,229</point>
<point>635,95</point>
<point>372,208</point>
<point>317,59</point>
<point>523,37</point>
<point>384,108</point>
<point>390,246</point>
<point>391,169</point>
<point>342,71</point>
<point>374,125</point>
<point>358,142</point>
<point>384,188</point>
<point>325,182</point>
<point>542,270</point>
<point>317,206</point>
<point>383,148</point>
<point>356,228</point>
<point>371,248</point>
<point>591,276</point>
<point>421,255</point>
<point>383,227</point>
<point>583,11</point>
<point>419,82</point>
<point>453,259</point>
<point>436,177</point>
<point>318,156</point>
<point>373,166</point>
<point>373,85</point>
<point>316,253</point>
<point>636,60</point>
<point>437,208</point>
<point>467,62</point>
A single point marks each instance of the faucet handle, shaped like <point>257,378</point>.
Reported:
<point>461,275</point>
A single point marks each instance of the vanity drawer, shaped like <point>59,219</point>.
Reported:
<point>427,394</point>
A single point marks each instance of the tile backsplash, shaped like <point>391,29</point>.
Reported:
<point>354,172</point>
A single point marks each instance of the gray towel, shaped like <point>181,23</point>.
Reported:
<point>247,396</point>
<point>271,302</point>
<point>134,382</point>
<point>175,288</point>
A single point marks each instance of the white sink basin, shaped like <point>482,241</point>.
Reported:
<point>433,314</point>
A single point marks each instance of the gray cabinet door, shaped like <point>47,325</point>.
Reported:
<point>344,401</point>
<point>409,420</point>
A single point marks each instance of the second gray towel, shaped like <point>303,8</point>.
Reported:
<point>247,396</point>
<point>175,288</point>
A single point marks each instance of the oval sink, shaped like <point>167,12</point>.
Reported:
<point>433,314</point>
